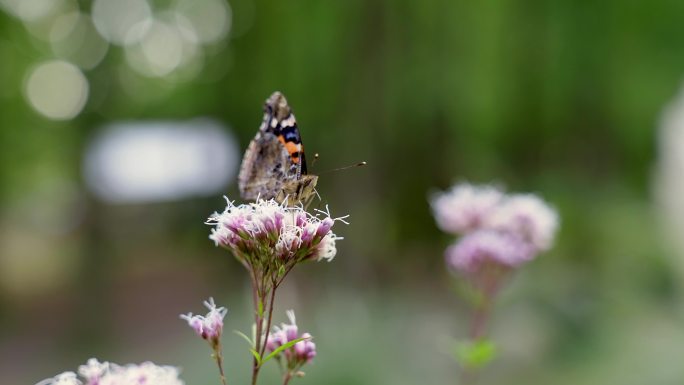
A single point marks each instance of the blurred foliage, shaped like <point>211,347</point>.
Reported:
<point>473,355</point>
<point>556,97</point>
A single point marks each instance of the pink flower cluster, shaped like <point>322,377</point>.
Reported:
<point>301,352</point>
<point>267,232</point>
<point>504,230</point>
<point>105,373</point>
<point>208,327</point>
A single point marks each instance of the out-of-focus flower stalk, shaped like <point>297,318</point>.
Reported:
<point>498,233</point>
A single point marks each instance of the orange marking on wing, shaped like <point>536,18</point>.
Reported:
<point>293,148</point>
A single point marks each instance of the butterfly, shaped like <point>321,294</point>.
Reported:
<point>274,165</point>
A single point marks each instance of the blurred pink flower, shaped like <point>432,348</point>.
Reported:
<point>475,250</point>
<point>496,228</point>
<point>529,217</point>
<point>146,373</point>
<point>96,373</point>
<point>66,378</point>
<point>93,370</point>
<point>465,207</point>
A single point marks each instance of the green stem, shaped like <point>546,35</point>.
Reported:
<point>271,302</point>
<point>261,332</point>
<point>258,304</point>
<point>489,287</point>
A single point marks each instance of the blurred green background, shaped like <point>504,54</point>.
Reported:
<point>102,241</point>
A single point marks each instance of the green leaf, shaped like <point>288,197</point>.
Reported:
<point>283,347</point>
<point>244,336</point>
<point>257,356</point>
<point>475,354</point>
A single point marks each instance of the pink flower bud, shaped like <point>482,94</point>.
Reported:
<point>324,227</point>
<point>290,332</point>
<point>208,327</point>
<point>301,352</point>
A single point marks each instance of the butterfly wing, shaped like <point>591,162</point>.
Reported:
<point>263,169</point>
<point>274,165</point>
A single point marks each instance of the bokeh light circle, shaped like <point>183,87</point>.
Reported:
<point>168,45</point>
<point>73,37</point>
<point>211,19</point>
<point>31,10</point>
<point>116,19</point>
<point>57,90</point>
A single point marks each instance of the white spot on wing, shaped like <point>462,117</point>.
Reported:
<point>289,122</point>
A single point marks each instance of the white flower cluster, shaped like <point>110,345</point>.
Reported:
<point>266,231</point>
<point>105,373</point>
<point>505,229</point>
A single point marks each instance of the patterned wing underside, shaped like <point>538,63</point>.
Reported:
<point>269,168</point>
<point>262,174</point>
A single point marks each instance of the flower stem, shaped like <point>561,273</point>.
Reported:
<point>287,377</point>
<point>271,302</point>
<point>264,291</point>
<point>255,373</point>
<point>258,305</point>
<point>478,324</point>
<point>218,356</point>
<point>489,287</point>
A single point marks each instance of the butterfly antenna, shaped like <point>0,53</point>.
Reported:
<point>315,159</point>
<point>360,164</point>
